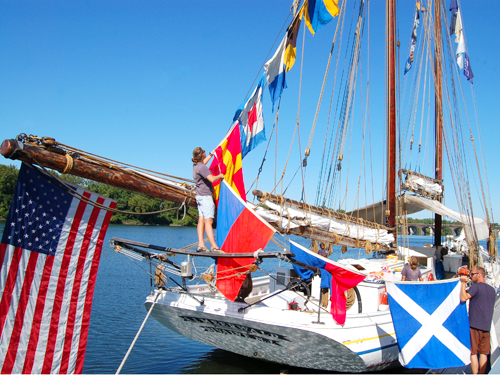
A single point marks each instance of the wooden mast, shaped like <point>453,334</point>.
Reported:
<point>438,113</point>
<point>391,112</point>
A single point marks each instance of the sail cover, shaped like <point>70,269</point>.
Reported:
<point>422,184</point>
<point>470,224</point>
<point>290,217</point>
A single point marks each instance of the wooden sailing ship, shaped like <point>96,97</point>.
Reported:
<point>263,325</point>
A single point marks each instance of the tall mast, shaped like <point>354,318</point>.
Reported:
<point>391,112</point>
<point>438,113</point>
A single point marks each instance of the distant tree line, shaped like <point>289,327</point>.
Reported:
<point>127,201</point>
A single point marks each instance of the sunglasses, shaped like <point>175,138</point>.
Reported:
<point>473,273</point>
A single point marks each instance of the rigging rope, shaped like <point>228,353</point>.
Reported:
<point>324,83</point>
<point>65,187</point>
<point>37,141</point>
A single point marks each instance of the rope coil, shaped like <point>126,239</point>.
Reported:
<point>350,298</point>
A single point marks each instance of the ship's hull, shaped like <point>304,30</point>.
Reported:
<point>290,337</point>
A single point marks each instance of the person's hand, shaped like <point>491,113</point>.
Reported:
<point>221,176</point>
<point>464,279</point>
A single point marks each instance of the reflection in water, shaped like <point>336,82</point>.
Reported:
<point>219,361</point>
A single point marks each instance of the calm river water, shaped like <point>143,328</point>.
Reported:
<point>118,312</point>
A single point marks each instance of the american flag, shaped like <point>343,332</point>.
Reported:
<point>50,251</point>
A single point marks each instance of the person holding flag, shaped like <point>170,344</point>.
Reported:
<point>481,307</point>
<point>204,197</point>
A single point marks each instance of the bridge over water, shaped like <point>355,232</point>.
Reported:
<point>420,229</point>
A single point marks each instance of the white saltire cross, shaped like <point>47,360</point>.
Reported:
<point>432,325</point>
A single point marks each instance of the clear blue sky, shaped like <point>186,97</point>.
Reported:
<point>145,82</point>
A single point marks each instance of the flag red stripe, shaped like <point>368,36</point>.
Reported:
<point>60,289</point>
<point>10,357</point>
<point>252,116</point>
<point>38,314</point>
<point>90,292</point>
<point>9,286</point>
<point>3,250</point>
<point>70,325</point>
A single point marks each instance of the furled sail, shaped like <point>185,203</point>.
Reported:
<point>294,217</point>
<point>423,185</point>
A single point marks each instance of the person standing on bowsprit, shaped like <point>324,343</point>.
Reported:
<point>204,191</point>
<point>481,306</point>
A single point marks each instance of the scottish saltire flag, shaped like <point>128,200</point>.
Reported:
<point>431,324</point>
<point>227,160</point>
<point>250,119</point>
<point>275,72</point>
<point>239,230</point>
<point>50,251</point>
<point>319,12</point>
<point>333,275</point>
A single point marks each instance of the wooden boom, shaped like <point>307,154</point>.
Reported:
<point>55,158</point>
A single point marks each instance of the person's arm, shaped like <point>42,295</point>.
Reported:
<point>464,295</point>
<point>213,178</point>
<point>403,278</point>
<point>205,173</point>
<point>420,279</point>
<point>207,159</point>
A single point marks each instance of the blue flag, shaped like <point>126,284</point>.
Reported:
<point>431,324</point>
<point>333,275</point>
<point>468,69</point>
